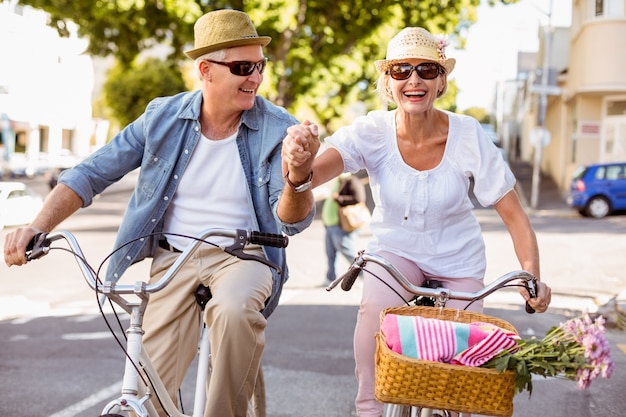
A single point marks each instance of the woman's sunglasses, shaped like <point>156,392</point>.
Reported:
<point>243,68</point>
<point>426,70</point>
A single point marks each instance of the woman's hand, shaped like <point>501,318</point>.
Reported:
<point>544,296</point>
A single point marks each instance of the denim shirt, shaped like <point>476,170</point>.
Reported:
<point>160,142</point>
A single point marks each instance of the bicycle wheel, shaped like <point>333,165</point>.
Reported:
<point>257,407</point>
<point>396,410</point>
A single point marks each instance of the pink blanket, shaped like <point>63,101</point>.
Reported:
<point>446,341</point>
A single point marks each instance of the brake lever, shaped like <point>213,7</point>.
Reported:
<point>531,287</point>
<point>38,246</point>
<point>236,249</point>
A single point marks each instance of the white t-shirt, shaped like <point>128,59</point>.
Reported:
<point>212,193</point>
<point>427,216</point>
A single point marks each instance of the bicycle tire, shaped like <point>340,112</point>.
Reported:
<point>396,410</point>
<point>257,407</point>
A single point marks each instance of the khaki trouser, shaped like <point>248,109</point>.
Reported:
<point>237,328</point>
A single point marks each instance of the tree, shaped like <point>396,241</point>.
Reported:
<point>322,53</point>
<point>479,114</point>
<point>127,91</point>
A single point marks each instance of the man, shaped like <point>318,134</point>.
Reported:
<point>210,158</point>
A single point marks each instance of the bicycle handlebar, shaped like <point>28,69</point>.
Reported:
<point>440,294</point>
<point>41,243</point>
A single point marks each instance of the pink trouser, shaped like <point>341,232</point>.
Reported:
<point>376,297</point>
<point>237,328</point>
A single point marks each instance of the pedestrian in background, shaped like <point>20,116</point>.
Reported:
<point>348,189</point>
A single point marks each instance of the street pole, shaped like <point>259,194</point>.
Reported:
<point>539,143</point>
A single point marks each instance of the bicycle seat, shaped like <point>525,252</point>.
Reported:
<point>203,295</point>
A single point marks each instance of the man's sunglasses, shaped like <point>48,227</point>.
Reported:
<point>426,70</point>
<point>243,68</point>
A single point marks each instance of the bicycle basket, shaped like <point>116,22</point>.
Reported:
<point>408,381</point>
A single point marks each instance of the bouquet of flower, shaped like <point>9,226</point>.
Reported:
<point>576,350</point>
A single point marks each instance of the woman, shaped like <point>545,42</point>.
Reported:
<point>420,161</point>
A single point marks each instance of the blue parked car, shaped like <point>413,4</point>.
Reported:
<point>598,190</point>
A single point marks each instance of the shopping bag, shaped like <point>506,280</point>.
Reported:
<point>354,216</point>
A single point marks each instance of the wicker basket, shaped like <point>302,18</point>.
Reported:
<point>408,381</point>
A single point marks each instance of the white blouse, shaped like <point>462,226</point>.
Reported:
<point>427,216</point>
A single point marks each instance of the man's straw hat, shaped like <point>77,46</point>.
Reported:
<point>414,42</point>
<point>223,29</point>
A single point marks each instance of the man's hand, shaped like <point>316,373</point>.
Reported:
<point>15,244</point>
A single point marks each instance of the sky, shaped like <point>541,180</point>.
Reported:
<point>493,42</point>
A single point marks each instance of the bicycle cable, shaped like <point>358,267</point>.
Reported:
<point>96,274</point>
<point>112,305</point>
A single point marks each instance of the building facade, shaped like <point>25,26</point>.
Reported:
<point>46,86</point>
<point>584,93</point>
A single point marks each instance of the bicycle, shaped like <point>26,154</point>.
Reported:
<point>430,301</point>
<point>140,382</point>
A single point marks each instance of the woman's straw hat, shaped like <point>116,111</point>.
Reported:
<point>414,42</point>
<point>223,29</point>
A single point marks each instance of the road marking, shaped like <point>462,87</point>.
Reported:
<point>79,408</point>
<point>86,336</point>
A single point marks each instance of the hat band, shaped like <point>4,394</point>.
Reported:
<point>417,52</point>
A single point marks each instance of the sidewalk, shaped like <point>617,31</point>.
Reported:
<point>550,197</point>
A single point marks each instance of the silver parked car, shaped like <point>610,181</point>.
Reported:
<point>18,204</point>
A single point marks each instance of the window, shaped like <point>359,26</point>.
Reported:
<point>599,7</point>
<point>614,172</point>
<point>609,8</point>
<point>600,173</point>
<point>616,108</point>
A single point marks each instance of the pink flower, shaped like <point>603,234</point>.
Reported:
<point>575,350</point>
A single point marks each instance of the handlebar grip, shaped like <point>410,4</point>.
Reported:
<point>531,287</point>
<point>269,239</point>
<point>348,279</point>
<point>38,246</point>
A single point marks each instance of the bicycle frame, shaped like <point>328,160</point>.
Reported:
<point>132,399</point>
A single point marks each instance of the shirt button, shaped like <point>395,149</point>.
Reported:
<point>196,128</point>
<point>153,220</point>
<point>155,159</point>
<point>128,257</point>
<point>175,177</point>
<point>165,198</point>
<point>186,151</point>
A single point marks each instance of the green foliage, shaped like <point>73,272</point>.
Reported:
<point>129,89</point>
<point>479,114</point>
<point>321,55</point>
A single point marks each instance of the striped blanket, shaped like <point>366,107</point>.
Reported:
<point>446,341</point>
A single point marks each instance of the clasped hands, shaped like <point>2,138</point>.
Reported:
<point>300,147</point>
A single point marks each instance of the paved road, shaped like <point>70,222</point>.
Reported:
<point>52,341</point>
